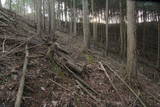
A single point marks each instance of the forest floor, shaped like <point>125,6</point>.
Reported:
<point>49,85</point>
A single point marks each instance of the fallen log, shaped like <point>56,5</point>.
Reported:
<point>54,47</point>
<point>22,81</point>
<point>74,67</point>
<point>63,55</point>
<point>74,75</point>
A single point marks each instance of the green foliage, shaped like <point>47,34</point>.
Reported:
<point>90,58</point>
<point>61,74</point>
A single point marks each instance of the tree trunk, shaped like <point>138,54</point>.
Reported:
<point>24,11</point>
<point>34,1</point>
<point>106,40</point>
<point>49,17</point>
<point>75,19</point>
<point>65,12</point>
<point>121,30</point>
<point>52,18</point>
<point>131,39</point>
<point>58,15</point>
<point>71,18</point>
<point>158,58</point>
<point>94,24</point>
<point>10,4</point>
<point>39,16</point>
<point>0,4</point>
<point>144,31</point>
<point>85,23</point>
<point>43,25</point>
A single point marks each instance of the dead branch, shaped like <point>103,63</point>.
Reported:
<point>60,85</point>
<point>111,82</point>
<point>85,90</point>
<point>60,52</point>
<point>74,67</point>
<point>133,92</point>
<point>74,75</point>
<point>66,64</point>
<point>6,17</point>
<point>22,81</point>
<point>3,45</point>
<point>56,83</point>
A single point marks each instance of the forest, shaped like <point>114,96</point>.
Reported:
<point>79,53</point>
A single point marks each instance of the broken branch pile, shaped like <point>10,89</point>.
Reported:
<point>62,59</point>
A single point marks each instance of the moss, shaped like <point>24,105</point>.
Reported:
<point>90,58</point>
<point>56,69</point>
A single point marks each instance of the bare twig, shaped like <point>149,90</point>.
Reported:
<point>60,85</point>
<point>111,82</point>
<point>133,92</point>
<point>158,100</point>
<point>83,88</point>
<point>56,83</point>
<point>3,45</point>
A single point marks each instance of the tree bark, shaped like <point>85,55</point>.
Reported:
<point>65,12</point>
<point>71,19</point>
<point>94,24</point>
<point>131,39</point>
<point>144,31</point>
<point>52,18</point>
<point>39,16</point>
<point>43,25</point>
<point>158,58</point>
<point>75,19</point>
<point>0,4</point>
<point>106,40</point>
<point>85,23</point>
<point>121,30</point>
<point>10,4</point>
<point>58,15</point>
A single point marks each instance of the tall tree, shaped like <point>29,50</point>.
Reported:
<point>121,29</point>
<point>10,4</point>
<point>85,23</point>
<point>144,29</point>
<point>71,18</point>
<point>75,19</point>
<point>158,58</point>
<point>131,39</point>
<point>106,40</point>
<point>39,16</point>
<point>43,25</point>
<point>51,5</point>
<point>65,12</point>
<point>0,4</point>
<point>94,23</point>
